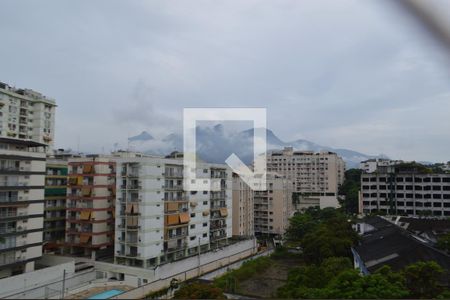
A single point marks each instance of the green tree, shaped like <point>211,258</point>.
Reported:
<point>304,281</point>
<point>333,237</point>
<point>350,284</point>
<point>199,291</point>
<point>299,225</point>
<point>422,279</point>
<point>444,242</point>
<point>350,191</point>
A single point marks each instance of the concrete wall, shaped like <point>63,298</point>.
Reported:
<point>27,285</point>
<point>154,280</point>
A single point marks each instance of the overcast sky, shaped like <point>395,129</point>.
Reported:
<point>350,74</point>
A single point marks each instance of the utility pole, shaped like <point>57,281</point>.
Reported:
<point>63,284</point>
<point>198,256</point>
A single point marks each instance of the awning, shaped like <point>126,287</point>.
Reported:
<point>205,213</point>
<point>84,238</point>
<point>86,192</point>
<point>80,180</point>
<point>223,212</point>
<point>193,204</point>
<point>172,206</point>
<point>73,180</point>
<point>132,221</point>
<point>85,215</point>
<point>87,169</point>
<point>172,219</point>
<point>184,218</point>
<point>128,208</point>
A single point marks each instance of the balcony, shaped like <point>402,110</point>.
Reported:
<point>178,187</point>
<point>9,214</point>
<point>131,187</point>
<point>171,174</point>
<point>178,235</point>
<point>11,258</point>
<point>173,246</point>
<point>218,237</point>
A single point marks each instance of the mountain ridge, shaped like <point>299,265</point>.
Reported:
<point>214,145</point>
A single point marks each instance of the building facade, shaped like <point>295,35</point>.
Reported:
<point>371,165</point>
<point>55,204</point>
<point>158,221</point>
<point>316,177</point>
<point>405,190</point>
<point>243,208</point>
<point>26,114</point>
<point>273,208</point>
<point>90,205</point>
<point>22,176</point>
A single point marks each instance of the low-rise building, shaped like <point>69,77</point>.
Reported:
<point>371,165</point>
<point>384,243</point>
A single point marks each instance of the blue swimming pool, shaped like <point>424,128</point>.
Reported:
<point>106,294</point>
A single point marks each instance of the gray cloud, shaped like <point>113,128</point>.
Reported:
<point>341,73</point>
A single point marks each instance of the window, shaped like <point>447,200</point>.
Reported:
<point>192,215</point>
<point>205,235</point>
<point>205,224</point>
<point>205,192</point>
<point>192,226</point>
<point>192,238</point>
<point>205,202</point>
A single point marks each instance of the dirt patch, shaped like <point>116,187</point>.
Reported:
<point>265,284</point>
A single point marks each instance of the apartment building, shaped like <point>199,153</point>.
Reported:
<point>405,189</point>
<point>273,208</point>
<point>316,177</point>
<point>22,176</point>
<point>158,221</point>
<point>243,208</point>
<point>90,205</point>
<point>26,114</point>
<point>55,204</point>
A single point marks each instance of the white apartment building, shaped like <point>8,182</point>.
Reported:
<point>316,177</point>
<point>273,207</point>
<point>158,222</point>
<point>405,190</point>
<point>22,176</point>
<point>243,208</point>
<point>26,114</point>
<point>371,165</point>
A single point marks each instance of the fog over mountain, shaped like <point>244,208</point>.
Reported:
<point>215,144</point>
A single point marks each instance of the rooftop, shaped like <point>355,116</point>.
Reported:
<point>388,244</point>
